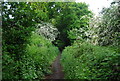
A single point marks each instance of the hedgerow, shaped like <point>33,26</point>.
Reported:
<point>41,54</point>
<point>86,61</point>
<point>35,63</point>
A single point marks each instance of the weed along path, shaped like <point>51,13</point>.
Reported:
<point>57,72</point>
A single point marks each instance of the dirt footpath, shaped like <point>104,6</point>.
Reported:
<point>56,70</point>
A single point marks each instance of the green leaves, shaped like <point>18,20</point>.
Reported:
<point>40,54</point>
<point>105,29</point>
<point>26,55</point>
<point>70,18</point>
<point>86,61</point>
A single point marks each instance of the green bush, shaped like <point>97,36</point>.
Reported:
<point>105,29</point>
<point>9,67</point>
<point>34,64</point>
<point>86,61</point>
<point>40,54</point>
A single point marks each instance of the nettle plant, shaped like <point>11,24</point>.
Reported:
<point>47,30</point>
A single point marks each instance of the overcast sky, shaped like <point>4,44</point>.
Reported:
<point>96,5</point>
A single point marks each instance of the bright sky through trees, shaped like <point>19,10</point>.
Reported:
<point>96,5</point>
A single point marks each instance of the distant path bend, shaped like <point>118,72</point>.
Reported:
<point>57,72</point>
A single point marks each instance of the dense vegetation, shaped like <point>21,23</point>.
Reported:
<point>35,62</point>
<point>86,61</point>
<point>100,59</point>
<point>33,34</point>
<point>38,58</point>
<point>26,54</point>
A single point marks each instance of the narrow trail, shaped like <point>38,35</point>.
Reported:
<point>56,70</point>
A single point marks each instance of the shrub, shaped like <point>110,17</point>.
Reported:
<point>47,30</point>
<point>40,54</point>
<point>34,64</point>
<point>105,31</point>
<point>86,61</point>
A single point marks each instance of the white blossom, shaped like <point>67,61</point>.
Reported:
<point>47,30</point>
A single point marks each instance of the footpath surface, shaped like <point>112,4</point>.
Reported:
<point>56,68</point>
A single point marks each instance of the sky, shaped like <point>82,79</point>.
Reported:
<point>96,5</point>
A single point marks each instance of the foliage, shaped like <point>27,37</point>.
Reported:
<point>9,66</point>
<point>85,61</point>
<point>65,16</point>
<point>16,31</point>
<point>19,20</point>
<point>40,54</point>
<point>47,30</point>
<point>70,17</point>
<point>80,32</point>
<point>27,40</point>
<point>105,30</point>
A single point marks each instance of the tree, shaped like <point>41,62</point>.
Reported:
<point>70,19</point>
<point>106,29</point>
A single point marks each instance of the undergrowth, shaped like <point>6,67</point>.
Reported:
<point>35,63</point>
<point>86,61</point>
<point>41,53</point>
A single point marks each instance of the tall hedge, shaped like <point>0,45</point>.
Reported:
<point>40,53</point>
<point>19,21</point>
<point>86,61</point>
